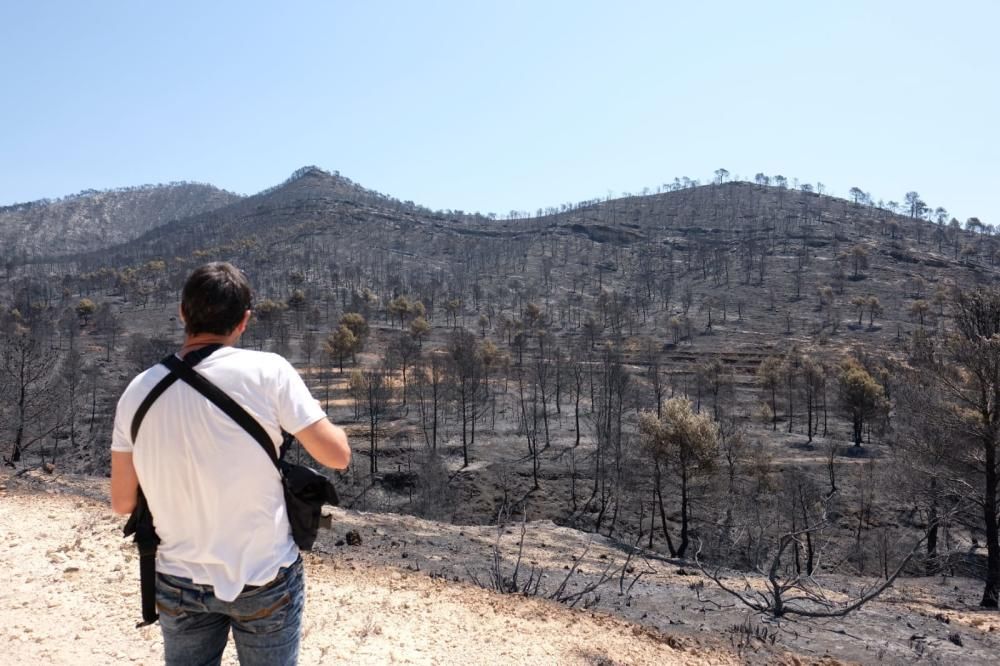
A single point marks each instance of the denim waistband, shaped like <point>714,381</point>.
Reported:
<point>187,582</point>
<point>280,576</point>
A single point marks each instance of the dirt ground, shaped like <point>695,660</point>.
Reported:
<point>71,597</point>
<point>404,596</point>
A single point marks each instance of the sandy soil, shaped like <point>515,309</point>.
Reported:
<point>404,595</point>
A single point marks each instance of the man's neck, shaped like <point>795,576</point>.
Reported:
<point>199,340</point>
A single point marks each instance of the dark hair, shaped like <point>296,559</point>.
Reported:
<point>214,299</point>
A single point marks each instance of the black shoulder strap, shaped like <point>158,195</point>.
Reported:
<point>194,358</point>
<point>157,391</point>
<point>223,402</point>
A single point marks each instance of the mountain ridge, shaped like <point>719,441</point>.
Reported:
<point>314,191</point>
<point>93,220</point>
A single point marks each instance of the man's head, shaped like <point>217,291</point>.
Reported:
<point>215,299</point>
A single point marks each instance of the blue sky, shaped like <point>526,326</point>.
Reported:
<point>493,106</point>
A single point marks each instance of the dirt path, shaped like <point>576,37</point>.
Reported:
<point>70,596</point>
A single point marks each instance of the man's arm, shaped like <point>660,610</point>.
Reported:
<point>326,443</point>
<point>124,483</point>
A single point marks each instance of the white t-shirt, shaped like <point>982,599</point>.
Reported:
<point>215,495</point>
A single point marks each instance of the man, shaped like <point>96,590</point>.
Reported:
<point>226,556</point>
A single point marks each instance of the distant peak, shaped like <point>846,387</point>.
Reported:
<point>309,172</point>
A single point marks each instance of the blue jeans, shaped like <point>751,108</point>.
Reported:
<point>266,620</point>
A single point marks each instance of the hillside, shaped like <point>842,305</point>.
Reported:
<point>404,595</point>
<point>727,274</point>
<point>672,266</point>
<point>93,220</point>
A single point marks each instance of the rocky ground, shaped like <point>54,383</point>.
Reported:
<point>407,594</point>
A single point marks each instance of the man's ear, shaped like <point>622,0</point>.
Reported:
<point>180,314</point>
<point>242,326</point>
